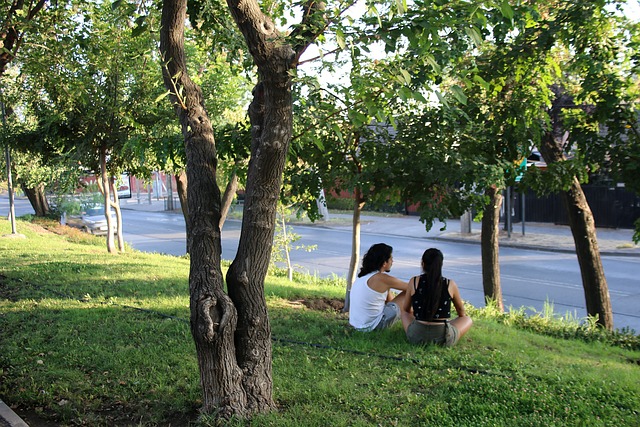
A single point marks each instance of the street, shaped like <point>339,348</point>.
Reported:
<point>529,277</point>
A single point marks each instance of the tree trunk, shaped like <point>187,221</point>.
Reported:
<point>227,198</point>
<point>287,246</point>
<point>583,229</point>
<point>182,185</point>
<point>116,207</point>
<point>271,117</point>
<point>37,199</point>
<point>213,315</point>
<point>245,278</point>
<point>490,248</point>
<point>358,204</point>
<point>596,290</point>
<point>241,385</point>
<point>105,187</point>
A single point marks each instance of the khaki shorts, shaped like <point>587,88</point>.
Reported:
<point>444,334</point>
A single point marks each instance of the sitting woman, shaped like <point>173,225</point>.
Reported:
<point>430,297</point>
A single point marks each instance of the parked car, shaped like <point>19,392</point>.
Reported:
<point>92,220</point>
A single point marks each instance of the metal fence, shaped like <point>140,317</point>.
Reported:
<point>612,207</point>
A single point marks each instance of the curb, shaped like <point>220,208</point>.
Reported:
<point>8,418</point>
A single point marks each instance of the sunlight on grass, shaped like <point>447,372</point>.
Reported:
<point>95,339</point>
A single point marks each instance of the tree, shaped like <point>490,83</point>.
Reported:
<point>353,145</point>
<point>569,62</point>
<point>504,95</point>
<point>18,19</point>
<point>231,331</point>
<point>88,105</point>
<point>581,221</point>
<point>338,136</point>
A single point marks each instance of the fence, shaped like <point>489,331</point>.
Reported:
<point>612,207</point>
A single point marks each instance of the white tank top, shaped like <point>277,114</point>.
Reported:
<point>365,304</point>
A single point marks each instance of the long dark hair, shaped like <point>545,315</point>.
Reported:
<point>432,260</point>
<point>377,255</point>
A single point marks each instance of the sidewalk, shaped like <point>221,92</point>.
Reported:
<point>9,418</point>
<point>537,236</point>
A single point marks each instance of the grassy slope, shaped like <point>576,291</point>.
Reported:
<point>73,350</point>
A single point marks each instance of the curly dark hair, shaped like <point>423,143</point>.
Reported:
<point>377,255</point>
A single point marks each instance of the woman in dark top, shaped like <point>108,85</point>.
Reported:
<point>426,315</point>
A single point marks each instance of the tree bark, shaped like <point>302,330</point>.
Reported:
<point>271,117</point>
<point>596,290</point>
<point>358,204</point>
<point>37,199</point>
<point>245,277</point>
<point>213,316</point>
<point>490,248</point>
<point>583,229</point>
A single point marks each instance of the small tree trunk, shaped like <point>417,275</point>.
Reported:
<point>490,248</point>
<point>287,247</point>
<point>227,197</point>
<point>583,229</point>
<point>116,207</point>
<point>358,204</point>
<point>105,187</point>
<point>37,199</point>
<point>181,184</point>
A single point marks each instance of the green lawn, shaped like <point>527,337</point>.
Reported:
<point>75,349</point>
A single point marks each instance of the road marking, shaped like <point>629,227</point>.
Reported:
<point>532,280</point>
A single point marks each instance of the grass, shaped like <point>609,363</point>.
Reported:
<point>76,350</point>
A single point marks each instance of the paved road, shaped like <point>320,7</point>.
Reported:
<point>529,277</point>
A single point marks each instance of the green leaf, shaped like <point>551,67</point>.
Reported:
<point>160,97</point>
<point>340,38</point>
<point>418,96</point>
<point>405,94</point>
<point>482,82</point>
<point>374,11</point>
<point>116,4</point>
<point>458,94</point>
<point>474,34</point>
<point>441,98</point>
<point>506,9</point>
<point>429,59</point>
<point>401,6</point>
<point>406,76</point>
<point>136,31</point>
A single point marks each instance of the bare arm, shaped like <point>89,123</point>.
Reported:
<point>382,282</point>
<point>455,297</point>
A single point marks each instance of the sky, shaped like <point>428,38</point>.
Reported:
<point>633,9</point>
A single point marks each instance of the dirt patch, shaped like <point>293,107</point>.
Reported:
<point>324,304</point>
<point>634,361</point>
